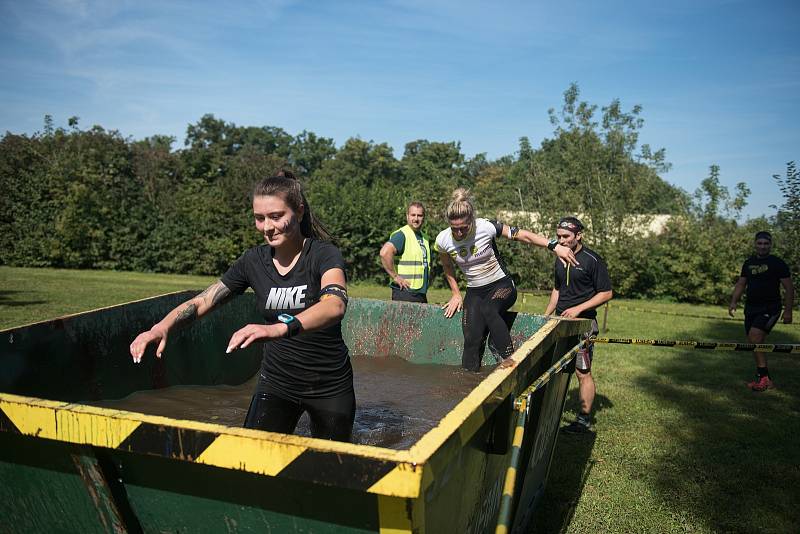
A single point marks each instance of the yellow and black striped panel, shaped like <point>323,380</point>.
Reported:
<point>7,425</point>
<point>401,516</point>
<point>345,465</point>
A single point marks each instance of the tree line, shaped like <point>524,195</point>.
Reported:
<point>92,198</point>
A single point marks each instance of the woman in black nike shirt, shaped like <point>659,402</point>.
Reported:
<point>299,280</point>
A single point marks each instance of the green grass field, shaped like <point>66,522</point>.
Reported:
<point>681,444</point>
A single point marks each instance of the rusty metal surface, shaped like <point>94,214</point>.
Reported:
<point>97,487</point>
<point>419,333</point>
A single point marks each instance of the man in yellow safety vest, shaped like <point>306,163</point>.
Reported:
<point>410,278</point>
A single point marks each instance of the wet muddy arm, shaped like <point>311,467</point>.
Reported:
<point>330,308</point>
<point>185,313</point>
<point>213,296</point>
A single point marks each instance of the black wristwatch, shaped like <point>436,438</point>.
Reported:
<point>552,244</point>
<point>293,325</point>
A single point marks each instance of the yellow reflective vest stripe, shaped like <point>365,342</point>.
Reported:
<point>412,262</point>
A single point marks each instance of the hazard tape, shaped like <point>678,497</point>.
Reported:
<point>554,369</point>
<point>708,345</point>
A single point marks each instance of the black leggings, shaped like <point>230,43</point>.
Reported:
<point>484,309</point>
<point>330,418</point>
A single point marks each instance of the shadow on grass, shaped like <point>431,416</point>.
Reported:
<point>601,402</point>
<point>569,471</point>
<point>9,298</point>
<point>730,459</point>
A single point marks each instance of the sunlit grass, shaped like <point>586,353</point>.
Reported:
<point>31,295</point>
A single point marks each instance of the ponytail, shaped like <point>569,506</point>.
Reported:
<point>461,205</point>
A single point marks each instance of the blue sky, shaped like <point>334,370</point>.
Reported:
<point>719,81</point>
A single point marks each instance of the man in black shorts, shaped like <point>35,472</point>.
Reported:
<point>577,291</point>
<point>762,275</point>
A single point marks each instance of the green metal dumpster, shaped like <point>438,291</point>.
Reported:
<point>67,466</point>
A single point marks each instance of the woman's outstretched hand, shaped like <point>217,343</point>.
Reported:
<point>253,332</point>
<point>141,342</point>
<point>453,305</point>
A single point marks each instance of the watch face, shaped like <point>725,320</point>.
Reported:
<point>285,318</point>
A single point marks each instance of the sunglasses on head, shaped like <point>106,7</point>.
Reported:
<point>572,227</point>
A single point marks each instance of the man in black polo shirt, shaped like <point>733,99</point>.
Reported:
<point>762,275</point>
<point>577,291</point>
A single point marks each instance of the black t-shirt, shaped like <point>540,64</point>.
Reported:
<point>763,281</point>
<point>577,284</point>
<point>312,364</point>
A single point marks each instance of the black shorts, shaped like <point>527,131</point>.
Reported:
<point>763,319</point>
<point>403,295</point>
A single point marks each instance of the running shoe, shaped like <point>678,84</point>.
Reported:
<point>761,383</point>
<point>578,426</point>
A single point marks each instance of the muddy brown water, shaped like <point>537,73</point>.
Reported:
<point>397,402</point>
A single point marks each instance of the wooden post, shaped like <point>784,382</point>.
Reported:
<point>605,319</point>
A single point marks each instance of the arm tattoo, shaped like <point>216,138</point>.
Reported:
<point>216,294</point>
<point>221,294</point>
<point>212,296</point>
<point>187,314</point>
